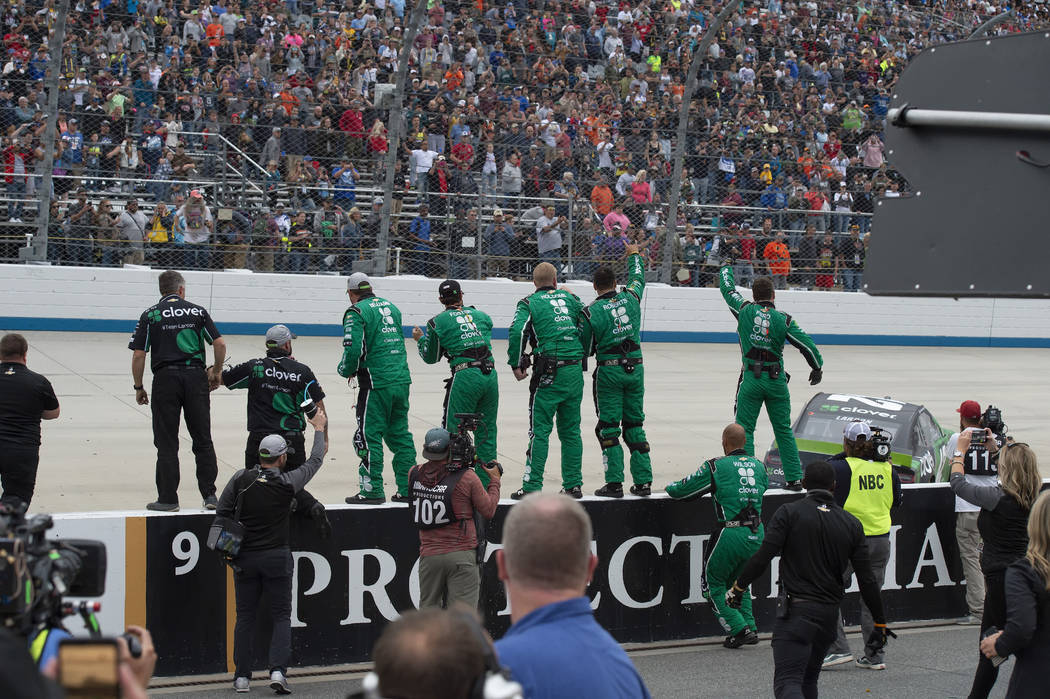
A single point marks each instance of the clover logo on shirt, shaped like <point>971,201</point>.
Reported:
<point>257,371</point>
<point>561,307</point>
<point>747,475</point>
<point>153,316</point>
<point>387,318</point>
<point>619,316</point>
<point>761,325</point>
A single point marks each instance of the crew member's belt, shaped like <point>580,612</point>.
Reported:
<point>181,367</point>
<point>559,363</point>
<point>729,524</point>
<point>621,361</point>
<point>475,364</point>
<point>774,369</point>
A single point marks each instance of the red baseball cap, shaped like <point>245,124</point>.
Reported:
<point>970,409</point>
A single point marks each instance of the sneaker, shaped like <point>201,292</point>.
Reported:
<point>795,486</point>
<point>278,683</point>
<point>211,502</point>
<point>869,664</point>
<point>610,490</point>
<point>642,490</point>
<point>576,492</point>
<point>833,659</point>
<point>971,620</point>
<point>519,494</point>
<point>241,685</point>
<point>742,637</point>
<point>398,497</point>
<point>360,499</point>
<point>163,506</point>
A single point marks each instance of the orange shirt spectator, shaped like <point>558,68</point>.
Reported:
<point>214,32</point>
<point>453,78</point>
<point>602,199</point>
<point>778,257</point>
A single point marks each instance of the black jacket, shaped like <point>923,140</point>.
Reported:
<point>1003,523</point>
<point>817,540</point>
<point>267,501</point>
<point>1027,632</point>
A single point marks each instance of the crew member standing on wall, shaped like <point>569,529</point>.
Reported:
<point>445,497</point>
<point>278,386</point>
<point>549,320</point>
<point>374,352</point>
<point>176,331</point>
<point>737,483</point>
<point>762,331</point>
<point>611,331</point>
<point>463,335</point>
<point>867,489</point>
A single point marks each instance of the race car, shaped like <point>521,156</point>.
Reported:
<point>918,442</point>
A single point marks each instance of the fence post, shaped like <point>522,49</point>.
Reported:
<point>38,249</point>
<point>683,125</point>
<point>569,271</point>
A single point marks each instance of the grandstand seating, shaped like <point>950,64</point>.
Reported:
<point>269,109</point>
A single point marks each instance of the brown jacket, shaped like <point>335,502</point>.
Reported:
<point>469,495</point>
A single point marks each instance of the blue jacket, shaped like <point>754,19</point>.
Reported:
<point>560,651</point>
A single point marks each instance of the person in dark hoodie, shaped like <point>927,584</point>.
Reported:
<point>444,497</point>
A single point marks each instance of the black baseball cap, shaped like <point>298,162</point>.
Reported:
<point>449,289</point>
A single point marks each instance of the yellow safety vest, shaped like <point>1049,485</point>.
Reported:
<point>870,494</point>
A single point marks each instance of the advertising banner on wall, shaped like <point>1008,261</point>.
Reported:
<point>646,587</point>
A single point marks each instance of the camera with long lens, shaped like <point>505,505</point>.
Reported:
<point>36,573</point>
<point>880,444</point>
<point>461,453</point>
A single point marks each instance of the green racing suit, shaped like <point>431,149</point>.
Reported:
<point>463,336</point>
<point>762,331</point>
<point>736,482</point>
<point>549,320</point>
<point>611,331</point>
<point>374,351</point>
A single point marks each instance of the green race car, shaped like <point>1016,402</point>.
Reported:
<point>917,441</point>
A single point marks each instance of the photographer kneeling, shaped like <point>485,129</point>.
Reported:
<point>867,487</point>
<point>446,493</point>
<point>260,499</point>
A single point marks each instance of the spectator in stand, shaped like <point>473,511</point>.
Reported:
<point>105,229</point>
<point>827,263</point>
<point>549,229</point>
<point>17,159</point>
<point>778,260</point>
<point>852,253</point>
<point>511,181</point>
<point>160,236</point>
<point>499,237</point>
<point>131,231</point>
<point>616,219</point>
<point>195,219</point>
<point>602,199</point>
<point>420,262</point>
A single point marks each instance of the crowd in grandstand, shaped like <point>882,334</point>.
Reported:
<point>255,133</point>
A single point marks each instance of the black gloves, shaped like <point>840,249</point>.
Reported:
<point>734,596</point>
<point>320,517</point>
<point>815,376</point>
<point>878,637</point>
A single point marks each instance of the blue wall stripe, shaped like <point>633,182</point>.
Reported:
<point>335,330</point>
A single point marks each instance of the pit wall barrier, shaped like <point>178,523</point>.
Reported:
<point>103,299</point>
<point>346,589</point>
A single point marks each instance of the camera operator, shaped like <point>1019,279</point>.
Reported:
<point>445,496</point>
<point>278,389</point>
<point>817,540</point>
<point>867,487</point>
<point>26,398</point>
<point>979,469</point>
<point>265,560</point>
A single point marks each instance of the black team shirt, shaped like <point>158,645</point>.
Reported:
<point>277,385</point>
<point>24,396</point>
<point>174,331</point>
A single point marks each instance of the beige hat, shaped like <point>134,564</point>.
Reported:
<point>497,212</point>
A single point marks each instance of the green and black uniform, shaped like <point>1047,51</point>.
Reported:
<point>762,331</point>
<point>549,320</point>
<point>736,482</point>
<point>374,351</point>
<point>277,385</point>
<point>176,333</point>
<point>611,331</point>
<point>463,336</point>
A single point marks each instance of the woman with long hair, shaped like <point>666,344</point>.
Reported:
<point>1003,524</point>
<point>1027,632</point>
